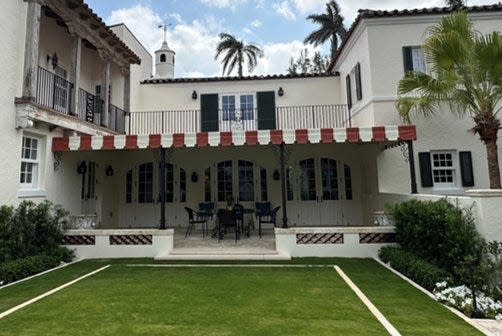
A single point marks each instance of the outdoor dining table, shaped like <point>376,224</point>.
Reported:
<point>227,218</point>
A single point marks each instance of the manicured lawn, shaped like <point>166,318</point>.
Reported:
<point>124,300</point>
<point>17,294</point>
<point>409,310</point>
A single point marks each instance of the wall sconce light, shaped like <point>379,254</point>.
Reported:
<point>194,95</point>
<point>82,168</point>
<point>280,92</point>
<point>109,171</point>
<point>194,177</point>
<point>276,176</point>
<point>53,60</point>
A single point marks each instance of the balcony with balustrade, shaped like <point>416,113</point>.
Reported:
<point>284,117</point>
<point>72,63</point>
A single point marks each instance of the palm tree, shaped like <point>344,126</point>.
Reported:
<point>331,27</point>
<point>455,3</point>
<point>466,76</point>
<point>237,53</point>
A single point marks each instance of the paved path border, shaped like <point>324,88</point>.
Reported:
<point>52,291</point>
<point>226,265</point>
<point>429,294</point>
<point>374,310</point>
<point>41,273</point>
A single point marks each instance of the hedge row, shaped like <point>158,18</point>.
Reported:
<point>24,267</point>
<point>420,271</point>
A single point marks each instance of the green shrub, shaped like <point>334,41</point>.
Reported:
<point>31,229</point>
<point>438,232</point>
<point>22,268</point>
<point>420,271</point>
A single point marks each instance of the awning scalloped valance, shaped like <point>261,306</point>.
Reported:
<point>235,138</point>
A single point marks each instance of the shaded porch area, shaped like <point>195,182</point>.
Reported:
<point>325,179</point>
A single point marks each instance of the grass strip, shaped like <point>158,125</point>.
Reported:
<point>409,310</point>
<point>16,294</point>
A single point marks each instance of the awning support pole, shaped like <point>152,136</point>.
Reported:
<point>162,188</point>
<point>411,161</point>
<point>282,148</point>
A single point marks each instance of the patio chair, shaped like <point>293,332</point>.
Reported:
<point>192,220</point>
<point>239,216</point>
<point>206,209</point>
<point>265,214</point>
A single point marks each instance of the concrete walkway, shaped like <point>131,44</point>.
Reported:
<point>492,326</point>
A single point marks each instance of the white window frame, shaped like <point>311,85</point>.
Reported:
<point>418,59</point>
<point>453,168</point>
<point>237,97</point>
<point>33,188</point>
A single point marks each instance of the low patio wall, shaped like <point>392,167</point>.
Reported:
<point>118,243</point>
<point>486,207</point>
<point>351,242</point>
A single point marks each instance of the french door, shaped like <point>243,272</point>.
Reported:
<point>143,198</point>
<point>320,198</point>
<point>61,90</point>
<point>237,112</point>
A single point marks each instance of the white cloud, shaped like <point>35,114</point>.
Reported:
<point>283,9</point>
<point>223,3</point>
<point>176,17</point>
<point>310,6</point>
<point>256,23</point>
<point>277,56</point>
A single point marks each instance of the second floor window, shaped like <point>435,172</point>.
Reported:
<point>414,59</point>
<point>237,107</point>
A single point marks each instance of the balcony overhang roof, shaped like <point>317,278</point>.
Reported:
<point>236,138</point>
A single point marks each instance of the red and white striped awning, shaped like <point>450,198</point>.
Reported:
<point>236,138</point>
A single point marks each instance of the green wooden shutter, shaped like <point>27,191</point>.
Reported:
<point>424,159</point>
<point>266,110</point>
<point>359,88</point>
<point>407,59</point>
<point>349,91</point>
<point>209,112</point>
<point>466,169</point>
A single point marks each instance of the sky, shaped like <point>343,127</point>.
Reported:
<point>277,26</point>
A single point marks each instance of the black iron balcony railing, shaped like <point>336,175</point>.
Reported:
<point>191,121</point>
<point>55,92</point>
<point>116,118</point>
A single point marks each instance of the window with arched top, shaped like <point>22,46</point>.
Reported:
<point>162,58</point>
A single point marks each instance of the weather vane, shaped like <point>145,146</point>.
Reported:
<point>164,28</point>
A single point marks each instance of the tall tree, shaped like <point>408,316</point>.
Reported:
<point>331,28</point>
<point>466,76</point>
<point>304,64</point>
<point>236,54</point>
<point>455,3</point>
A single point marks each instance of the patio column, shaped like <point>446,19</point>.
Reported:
<point>31,49</point>
<point>127,98</point>
<point>76,48</point>
<point>105,87</point>
<point>411,161</point>
<point>162,189</point>
<point>283,186</point>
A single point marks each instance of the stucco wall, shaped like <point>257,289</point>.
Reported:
<point>12,38</point>
<point>297,92</point>
<point>384,39</point>
<point>138,72</point>
<point>357,51</point>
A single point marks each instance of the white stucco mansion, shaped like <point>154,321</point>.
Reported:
<point>86,124</point>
